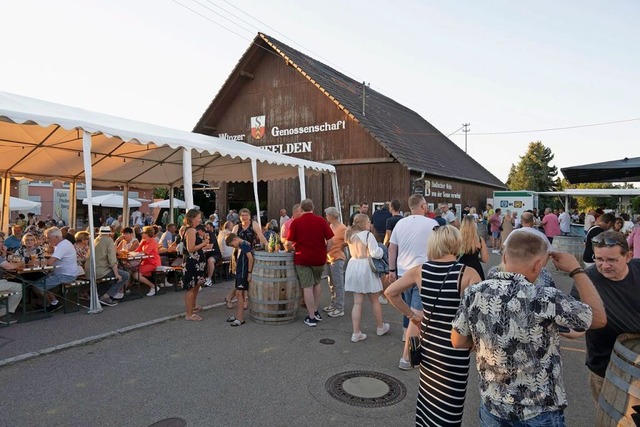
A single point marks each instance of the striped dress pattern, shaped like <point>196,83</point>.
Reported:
<point>444,370</point>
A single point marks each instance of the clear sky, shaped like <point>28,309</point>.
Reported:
<point>502,66</point>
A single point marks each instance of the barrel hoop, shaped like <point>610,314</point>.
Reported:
<point>275,319</point>
<point>274,257</point>
<point>622,385</point>
<point>272,313</point>
<point>609,410</point>
<point>625,352</point>
<point>278,302</point>
<point>625,366</point>
<point>274,267</point>
<point>293,280</point>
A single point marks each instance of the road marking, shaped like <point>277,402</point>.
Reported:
<point>95,338</point>
<point>580,350</point>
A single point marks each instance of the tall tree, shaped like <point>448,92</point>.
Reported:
<point>534,171</point>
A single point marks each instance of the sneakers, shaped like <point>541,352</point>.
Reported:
<point>336,313</point>
<point>405,365</point>
<point>383,330</point>
<point>318,317</point>
<point>10,317</point>
<point>358,337</point>
<point>152,292</point>
<point>329,308</point>
<point>383,300</point>
<point>119,295</point>
<point>207,283</point>
<point>54,306</point>
<point>106,300</point>
<point>310,322</point>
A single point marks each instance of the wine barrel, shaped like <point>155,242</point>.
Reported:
<point>274,294</point>
<point>572,244</point>
<point>621,388</point>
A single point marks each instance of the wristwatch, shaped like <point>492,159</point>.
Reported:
<point>392,270</point>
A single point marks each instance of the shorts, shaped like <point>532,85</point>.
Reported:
<point>412,297</point>
<point>495,234</point>
<point>242,284</point>
<point>309,275</point>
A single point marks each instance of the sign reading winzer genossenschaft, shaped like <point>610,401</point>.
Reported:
<point>258,132</point>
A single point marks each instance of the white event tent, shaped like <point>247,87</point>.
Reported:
<point>44,140</point>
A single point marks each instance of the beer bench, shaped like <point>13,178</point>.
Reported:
<point>163,273</point>
<point>4,299</point>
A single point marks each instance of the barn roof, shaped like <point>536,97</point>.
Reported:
<point>408,137</point>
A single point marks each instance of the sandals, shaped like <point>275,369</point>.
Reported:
<point>197,309</point>
<point>193,318</point>
<point>231,319</point>
<point>229,303</point>
<point>237,323</point>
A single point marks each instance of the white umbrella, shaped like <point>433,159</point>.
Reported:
<point>177,203</point>
<point>16,204</point>
<point>111,201</point>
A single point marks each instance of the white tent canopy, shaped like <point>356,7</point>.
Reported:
<point>41,139</point>
<point>111,201</point>
<point>17,204</point>
<point>177,203</point>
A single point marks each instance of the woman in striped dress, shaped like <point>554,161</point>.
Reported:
<point>443,369</point>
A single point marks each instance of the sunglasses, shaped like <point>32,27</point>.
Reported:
<point>600,241</point>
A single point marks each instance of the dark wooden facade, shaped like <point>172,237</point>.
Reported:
<point>264,85</point>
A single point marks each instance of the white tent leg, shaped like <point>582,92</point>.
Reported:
<point>73,203</point>
<point>6,195</point>
<point>187,178</point>
<point>254,173</point>
<point>95,306</point>
<point>171,219</point>
<point>125,204</point>
<point>336,194</point>
<point>303,188</point>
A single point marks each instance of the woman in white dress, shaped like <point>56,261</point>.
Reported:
<point>359,278</point>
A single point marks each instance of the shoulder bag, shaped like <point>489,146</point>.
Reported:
<point>379,266</point>
<point>415,350</point>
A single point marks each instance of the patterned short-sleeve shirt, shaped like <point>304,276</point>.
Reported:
<point>514,327</point>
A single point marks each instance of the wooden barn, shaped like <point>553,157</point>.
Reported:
<point>282,100</point>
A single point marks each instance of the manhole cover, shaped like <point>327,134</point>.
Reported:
<point>366,389</point>
<point>327,341</point>
<point>170,422</point>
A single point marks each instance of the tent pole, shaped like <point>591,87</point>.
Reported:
<point>187,177</point>
<point>336,195</point>
<point>303,188</point>
<point>171,220</point>
<point>125,204</point>
<point>73,202</point>
<point>6,196</point>
<point>254,173</point>
<point>95,306</point>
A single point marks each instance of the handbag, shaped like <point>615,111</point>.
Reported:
<point>378,266</point>
<point>415,348</point>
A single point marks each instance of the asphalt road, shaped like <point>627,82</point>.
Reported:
<point>210,374</point>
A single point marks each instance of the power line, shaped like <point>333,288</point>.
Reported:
<point>559,128</point>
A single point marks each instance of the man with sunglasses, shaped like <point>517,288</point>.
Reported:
<point>616,277</point>
<point>603,223</point>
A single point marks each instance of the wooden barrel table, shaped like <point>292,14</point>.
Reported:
<point>619,402</point>
<point>274,294</point>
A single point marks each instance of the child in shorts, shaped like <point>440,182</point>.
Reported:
<point>244,268</point>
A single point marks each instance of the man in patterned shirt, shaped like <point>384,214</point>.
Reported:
<point>514,324</point>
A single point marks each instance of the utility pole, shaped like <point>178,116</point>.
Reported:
<point>465,130</point>
<point>363,99</point>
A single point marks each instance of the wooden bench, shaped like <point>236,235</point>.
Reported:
<point>4,299</point>
<point>76,285</point>
<point>162,274</point>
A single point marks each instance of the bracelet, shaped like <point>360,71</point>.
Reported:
<point>250,272</point>
<point>392,270</point>
<point>576,271</point>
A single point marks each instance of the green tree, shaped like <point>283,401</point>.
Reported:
<point>534,171</point>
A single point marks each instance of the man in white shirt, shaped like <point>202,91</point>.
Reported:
<point>565,222</point>
<point>65,262</point>
<point>408,248</point>
<point>283,218</point>
<point>449,216</point>
<point>589,220</point>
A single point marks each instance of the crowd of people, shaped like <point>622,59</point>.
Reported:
<point>511,317</point>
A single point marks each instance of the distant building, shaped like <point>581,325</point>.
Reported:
<point>284,101</point>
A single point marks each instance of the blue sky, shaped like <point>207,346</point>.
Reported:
<point>502,66</point>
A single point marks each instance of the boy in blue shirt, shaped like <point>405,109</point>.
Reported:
<point>244,267</point>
